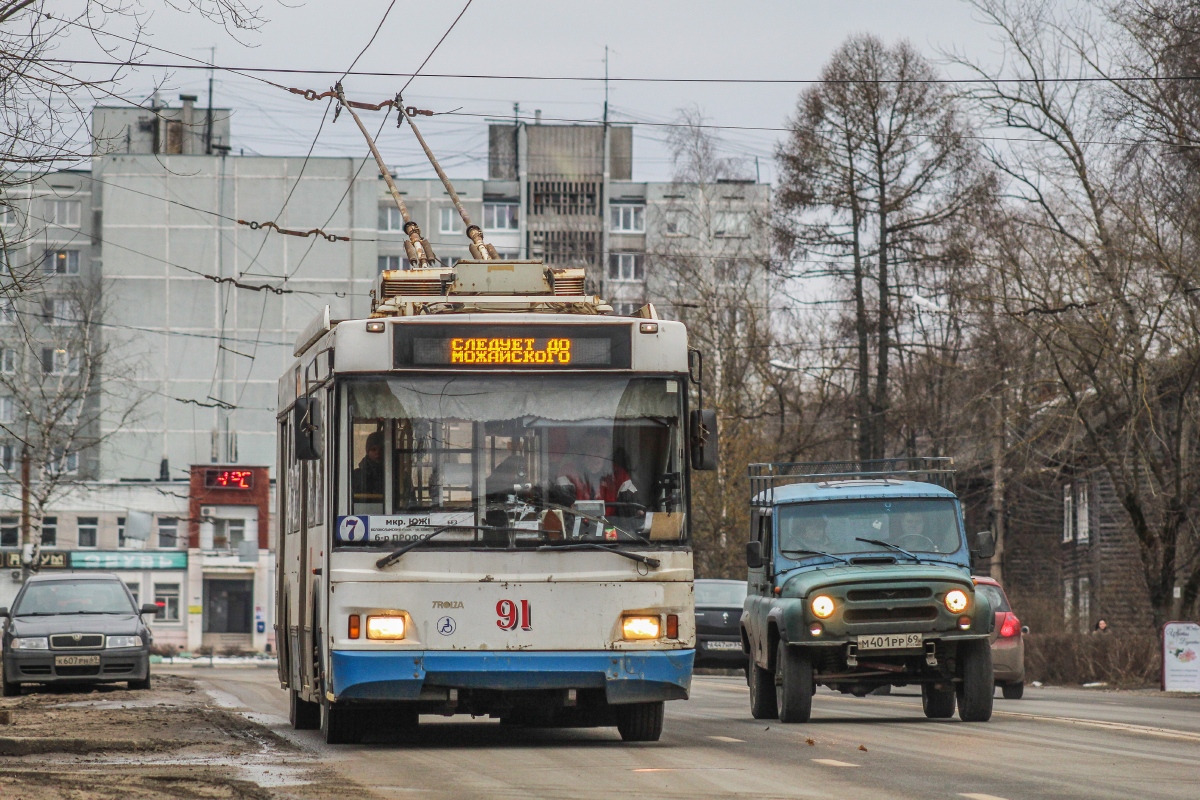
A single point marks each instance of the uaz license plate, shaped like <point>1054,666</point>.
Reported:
<point>890,641</point>
<point>76,661</point>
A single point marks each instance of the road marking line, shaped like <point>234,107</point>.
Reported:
<point>1166,733</point>
<point>726,739</point>
<point>829,762</point>
<point>978,796</point>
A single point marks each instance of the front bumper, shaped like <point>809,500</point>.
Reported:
<point>38,666</point>
<point>626,677</point>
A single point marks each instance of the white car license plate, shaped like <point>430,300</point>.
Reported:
<point>890,641</point>
<point>723,645</point>
<point>77,661</point>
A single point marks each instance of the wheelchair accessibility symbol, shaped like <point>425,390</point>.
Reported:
<point>445,626</point>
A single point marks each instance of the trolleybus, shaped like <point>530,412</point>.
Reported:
<point>483,507</point>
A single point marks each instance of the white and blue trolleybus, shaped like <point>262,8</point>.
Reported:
<point>483,507</point>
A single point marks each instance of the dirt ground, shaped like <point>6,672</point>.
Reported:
<point>171,741</point>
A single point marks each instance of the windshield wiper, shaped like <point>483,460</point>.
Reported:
<point>652,563</point>
<point>394,556</point>
<point>818,553</point>
<point>882,543</point>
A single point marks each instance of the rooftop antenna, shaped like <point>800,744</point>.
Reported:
<point>208,115</point>
<point>480,250</point>
<point>606,85</point>
<point>416,247</point>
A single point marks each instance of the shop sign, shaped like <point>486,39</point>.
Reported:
<point>1181,657</point>
<point>47,559</point>
<point>92,559</point>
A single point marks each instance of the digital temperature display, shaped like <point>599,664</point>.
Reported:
<point>228,479</point>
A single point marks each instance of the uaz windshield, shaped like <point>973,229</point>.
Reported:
<point>504,461</point>
<point>918,525</point>
<point>84,597</point>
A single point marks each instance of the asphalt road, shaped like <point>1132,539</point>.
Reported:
<point>1055,743</point>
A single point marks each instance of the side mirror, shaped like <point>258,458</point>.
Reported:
<point>984,545</point>
<point>306,422</point>
<point>3,611</point>
<point>702,426</point>
<point>754,557</point>
<point>149,608</point>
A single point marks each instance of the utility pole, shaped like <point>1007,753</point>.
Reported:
<point>25,526</point>
<point>208,115</point>
<point>998,488</point>
<point>607,145</point>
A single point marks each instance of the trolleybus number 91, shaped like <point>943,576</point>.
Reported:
<point>510,615</point>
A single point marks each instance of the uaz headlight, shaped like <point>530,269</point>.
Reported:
<point>822,606</point>
<point>956,601</point>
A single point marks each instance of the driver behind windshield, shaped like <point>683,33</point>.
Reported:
<point>911,529</point>
<point>808,533</point>
<point>588,468</point>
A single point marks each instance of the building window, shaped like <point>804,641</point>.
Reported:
<point>60,312</point>
<point>168,532</point>
<point>627,218</point>
<point>1068,516</point>
<point>8,409</point>
<point>63,462</point>
<point>49,531</point>
<point>121,532</point>
<point>625,266</point>
<point>731,224</point>
<point>63,212</point>
<point>1082,528</point>
<point>1085,603</point>
<point>392,263</point>
<point>8,215</point>
<point>61,262</point>
<point>58,361</point>
<point>166,597</point>
<point>732,271</point>
<point>449,221</point>
<point>675,223</point>
<point>8,361</point>
<point>8,312</point>
<point>624,308</point>
<point>390,219</point>
<point>135,589</point>
<point>86,527</point>
<point>10,531</point>
<point>8,454</point>
<point>500,216</point>
<point>1068,602</point>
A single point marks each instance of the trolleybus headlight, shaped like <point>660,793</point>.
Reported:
<point>822,606</point>
<point>389,627</point>
<point>956,601</point>
<point>640,627</point>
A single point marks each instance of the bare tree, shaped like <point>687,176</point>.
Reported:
<point>61,396</point>
<point>874,164</point>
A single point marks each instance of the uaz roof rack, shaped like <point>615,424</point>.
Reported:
<point>764,477</point>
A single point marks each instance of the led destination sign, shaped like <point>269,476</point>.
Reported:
<point>512,346</point>
<point>503,350</point>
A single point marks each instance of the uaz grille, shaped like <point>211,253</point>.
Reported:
<point>71,641</point>
<point>915,614</point>
<point>883,595</point>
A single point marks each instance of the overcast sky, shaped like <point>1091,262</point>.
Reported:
<point>646,38</point>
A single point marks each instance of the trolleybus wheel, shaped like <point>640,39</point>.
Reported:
<point>304,715</point>
<point>937,703</point>
<point>339,724</point>
<point>640,722</point>
<point>978,685</point>
<point>762,692</point>
<point>793,684</point>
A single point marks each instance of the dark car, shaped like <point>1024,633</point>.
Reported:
<point>1008,646</point>
<point>75,629</point>
<point>718,623</point>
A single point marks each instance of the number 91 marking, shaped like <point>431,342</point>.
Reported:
<point>510,615</point>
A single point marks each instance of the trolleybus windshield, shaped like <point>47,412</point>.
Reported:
<point>512,460</point>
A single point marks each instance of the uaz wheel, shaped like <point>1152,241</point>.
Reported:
<point>978,684</point>
<point>793,684</point>
<point>762,692</point>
